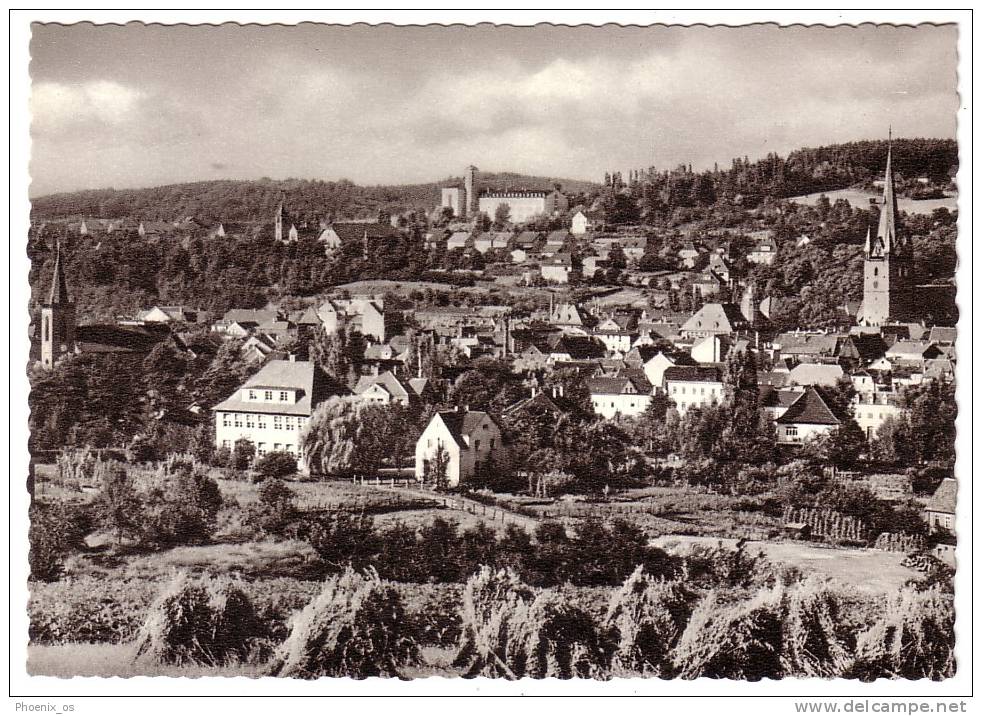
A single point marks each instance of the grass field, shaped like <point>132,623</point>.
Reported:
<point>865,569</point>
<point>860,200</point>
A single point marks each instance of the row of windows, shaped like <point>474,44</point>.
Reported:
<point>251,420</point>
<point>284,396</point>
<point>261,448</point>
<point>477,443</point>
<point>702,390</point>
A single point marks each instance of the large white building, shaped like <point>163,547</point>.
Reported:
<point>271,408</point>
<point>523,204</point>
<point>469,438</point>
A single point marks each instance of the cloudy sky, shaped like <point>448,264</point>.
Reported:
<point>140,106</point>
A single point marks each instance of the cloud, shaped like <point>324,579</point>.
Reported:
<point>56,106</point>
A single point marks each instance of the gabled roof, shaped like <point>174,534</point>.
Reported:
<point>771,397</point>
<point>816,374</point>
<point>246,316</point>
<point>279,374</point>
<point>716,317</point>
<point>387,380</point>
<point>809,409</point>
<point>944,498</point>
<point>693,374</point>
<point>614,385</point>
<point>462,423</point>
<point>120,339</point>
<point>557,237</point>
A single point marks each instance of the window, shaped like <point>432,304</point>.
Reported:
<point>277,422</point>
<point>277,447</point>
<point>250,421</point>
<point>791,431</point>
<point>477,444</point>
<point>260,448</point>
<point>875,284</point>
<point>261,422</point>
<point>238,420</point>
<point>268,395</point>
<point>252,395</point>
<point>289,447</point>
<point>876,271</point>
<point>226,443</point>
<point>492,443</point>
<point>226,423</point>
<point>289,423</point>
<point>284,396</point>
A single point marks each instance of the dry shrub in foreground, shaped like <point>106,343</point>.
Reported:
<point>510,631</point>
<point>356,628</point>
<point>732,641</point>
<point>815,643</point>
<point>209,622</point>
<point>645,619</point>
<point>913,639</point>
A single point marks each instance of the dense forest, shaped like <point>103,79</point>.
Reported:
<point>649,193</point>
<point>306,201</point>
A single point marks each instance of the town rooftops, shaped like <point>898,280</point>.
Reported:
<point>615,385</point>
<point>387,380</point>
<point>942,334</point>
<point>248,316</point>
<point>816,374</point>
<point>809,409</point>
<point>120,339</point>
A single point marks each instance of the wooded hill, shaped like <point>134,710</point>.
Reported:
<point>253,201</point>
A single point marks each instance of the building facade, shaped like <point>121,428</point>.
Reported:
<point>468,437</point>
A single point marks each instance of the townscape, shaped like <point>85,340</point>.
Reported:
<point>676,425</point>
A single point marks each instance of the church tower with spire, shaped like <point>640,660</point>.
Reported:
<point>57,318</point>
<point>886,269</point>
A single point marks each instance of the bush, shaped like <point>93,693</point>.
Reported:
<point>355,628</point>
<point>183,509</point>
<point>720,566</point>
<point>510,631</point>
<point>276,464</point>
<point>913,639</point>
<point>47,545</point>
<point>645,619</point>
<point>210,622</point>
<point>83,610</point>
<point>243,454</point>
<point>275,508</point>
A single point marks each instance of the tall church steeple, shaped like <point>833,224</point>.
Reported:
<point>57,317</point>
<point>886,270</point>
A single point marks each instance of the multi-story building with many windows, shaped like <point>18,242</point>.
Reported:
<point>271,408</point>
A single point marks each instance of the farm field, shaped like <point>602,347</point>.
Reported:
<point>860,199</point>
<point>868,570</point>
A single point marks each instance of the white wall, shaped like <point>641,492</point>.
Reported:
<point>629,405</point>
<point>687,394</point>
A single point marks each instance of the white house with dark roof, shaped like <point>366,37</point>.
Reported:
<point>939,512</point>
<point>469,438</point>
<point>693,386</point>
<point>806,418</point>
<point>382,389</point>
<point>618,395</point>
<point>715,319</point>
<point>271,408</point>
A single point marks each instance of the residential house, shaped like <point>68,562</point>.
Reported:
<point>715,319</point>
<point>383,389</point>
<point>872,409</point>
<point>169,314</point>
<point>690,386</point>
<point>765,249</point>
<point>491,240</point>
<point>557,269</point>
<point>458,240</point>
<point>810,416</point>
<point>774,402</point>
<point>689,254</point>
<point>618,395</point>
<point>469,439</point>
<point>939,512</point>
<point>912,351</point>
<point>583,222</point>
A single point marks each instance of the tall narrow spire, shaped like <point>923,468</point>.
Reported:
<point>59,288</point>
<point>886,232</point>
